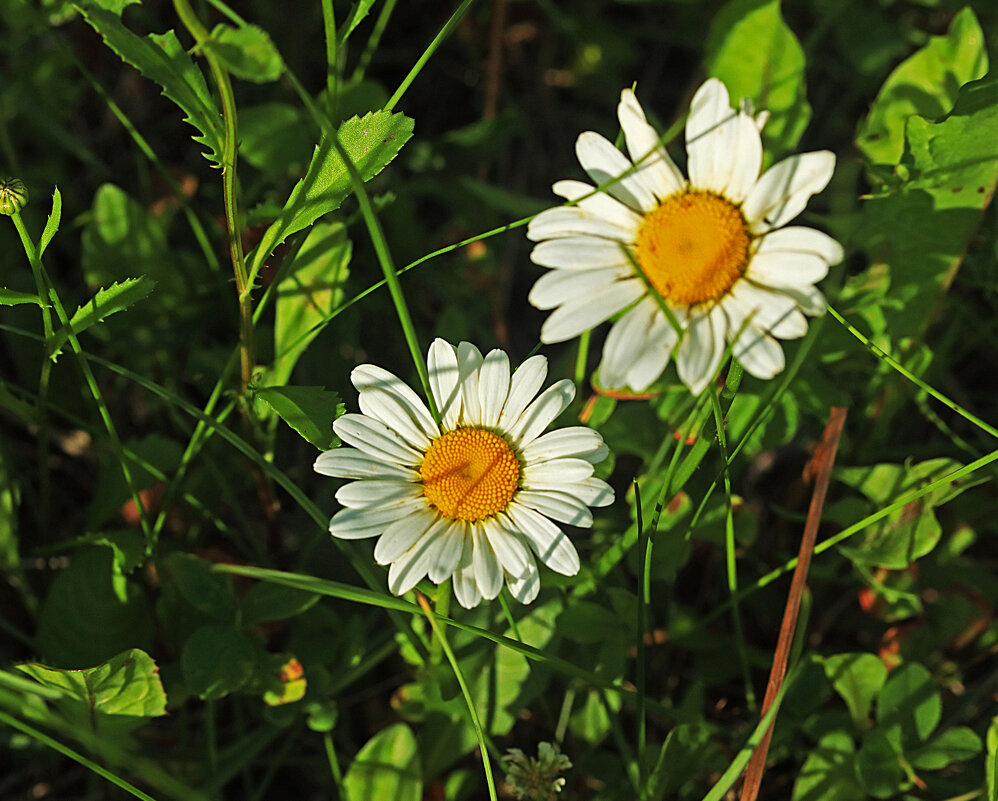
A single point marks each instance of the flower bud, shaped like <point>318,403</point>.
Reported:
<point>13,196</point>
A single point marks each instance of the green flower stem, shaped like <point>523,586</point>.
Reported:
<point>47,289</point>
<point>445,31</point>
<point>229,145</point>
<point>582,358</point>
<point>730,560</point>
<point>377,240</point>
<point>332,54</point>
<point>644,599</point>
<point>438,636</point>
<point>374,39</point>
<point>334,765</point>
<point>441,607</point>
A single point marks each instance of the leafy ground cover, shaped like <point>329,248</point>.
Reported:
<point>216,213</point>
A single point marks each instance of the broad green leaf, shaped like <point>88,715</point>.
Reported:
<point>51,223</point>
<point>246,52</point>
<point>210,593</point>
<point>388,766</point>
<point>757,56</point>
<point>680,757</point>
<point>10,297</point>
<point>275,138</point>
<point>926,84</point>
<point>127,684</point>
<point>162,59</point>
<point>265,601</point>
<point>857,678</point>
<point>108,301</point>
<point>308,296</point>
<point>991,762</point>
<point>953,745</point>
<point>216,661</point>
<point>308,410</point>
<point>84,621</point>
<point>828,773</point>
<point>371,142</point>
<point>908,707</point>
<point>877,766</point>
<point>911,532</point>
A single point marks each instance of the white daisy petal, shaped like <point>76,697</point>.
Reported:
<point>449,555</point>
<point>626,338</point>
<point>401,535</point>
<point>391,410</point>
<point>712,134</point>
<point>352,463</point>
<point>747,159</point>
<point>511,552</point>
<point>469,361</point>
<point>539,414</point>
<point>445,381</point>
<point>410,568</point>
<point>493,386</point>
<point>701,350</point>
<point>646,151</point>
<point>782,268</point>
<point>556,471</point>
<point>587,312</point>
<point>600,204</point>
<point>579,253</point>
<point>605,163</point>
<point>593,492</point>
<point>782,192</point>
<point>808,298</point>
<point>548,541</point>
<point>759,353</point>
<point>375,439</point>
<point>558,506</point>
<point>563,286</point>
<point>488,573</point>
<point>465,586</point>
<point>800,239</point>
<point>769,311</point>
<point>575,221</point>
<point>523,388</point>
<point>525,588</point>
<point>565,442</point>
<point>365,494</point>
<point>368,376</point>
<point>355,524</point>
<point>649,362</point>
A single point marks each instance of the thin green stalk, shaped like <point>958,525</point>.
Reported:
<point>508,614</point>
<point>582,358</point>
<point>631,763</point>
<point>441,606</point>
<point>886,357</point>
<point>378,241</point>
<point>332,55</point>
<point>374,39</point>
<point>644,599</point>
<point>438,634</point>
<point>445,31</point>
<point>229,146</point>
<point>49,291</point>
<point>334,765</point>
<point>730,560</point>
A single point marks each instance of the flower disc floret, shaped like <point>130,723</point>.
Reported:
<point>693,247</point>
<point>470,474</point>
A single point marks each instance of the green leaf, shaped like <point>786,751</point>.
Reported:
<point>216,661</point>
<point>308,410</point>
<point>357,13</point>
<point>857,678</point>
<point>246,52</point>
<point>127,684</point>
<point>265,601</point>
<point>308,296</point>
<point>954,745</point>
<point>909,707</point>
<point>10,501</point>
<point>161,59</point>
<point>275,138</point>
<point>912,531</point>
<point>10,297</point>
<point>388,766</point>
<point>84,620</point>
<point>108,301</point>
<point>926,84</point>
<point>371,142</point>
<point>51,223</point>
<point>878,767</point>
<point>991,762</point>
<point>757,56</point>
<point>828,773</point>
<point>210,593</point>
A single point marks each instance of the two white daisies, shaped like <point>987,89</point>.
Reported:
<point>697,265</point>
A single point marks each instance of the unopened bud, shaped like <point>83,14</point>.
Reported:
<point>13,196</point>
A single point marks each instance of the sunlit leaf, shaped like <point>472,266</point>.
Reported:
<point>387,766</point>
<point>308,410</point>
<point>246,52</point>
<point>857,678</point>
<point>107,301</point>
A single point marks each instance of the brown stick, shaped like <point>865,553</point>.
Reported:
<point>820,468</point>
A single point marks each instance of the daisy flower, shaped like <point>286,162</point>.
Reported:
<point>713,246</point>
<point>477,496</point>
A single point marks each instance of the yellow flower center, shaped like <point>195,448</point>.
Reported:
<point>693,247</point>
<point>470,474</point>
